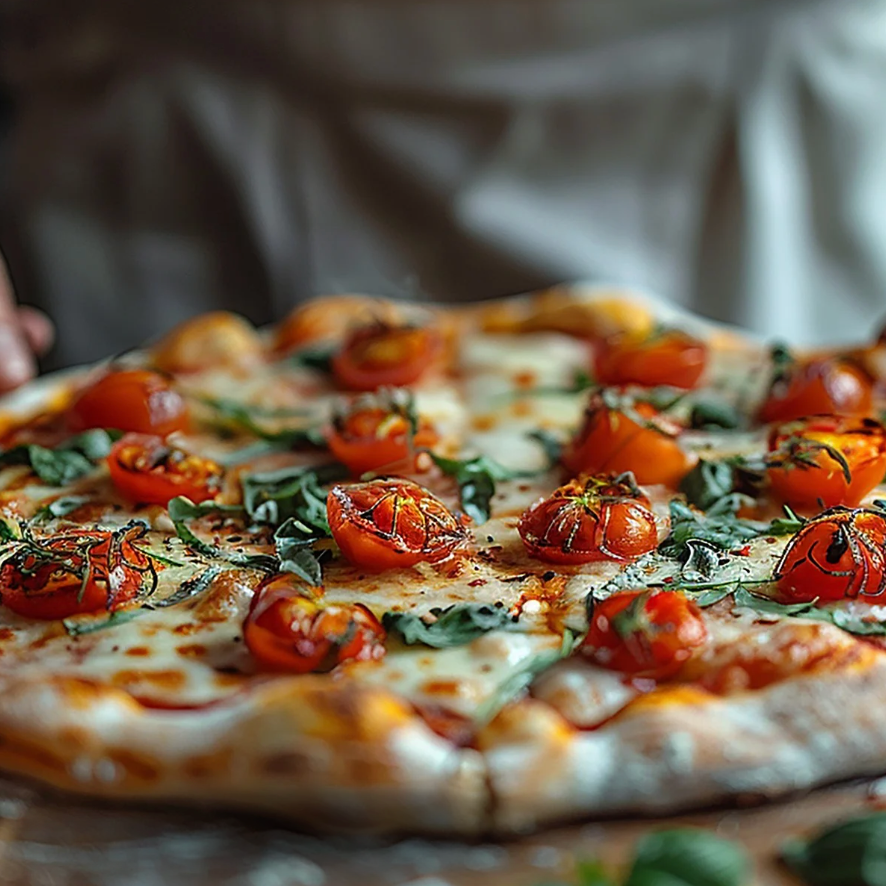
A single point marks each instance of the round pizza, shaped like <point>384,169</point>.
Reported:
<point>462,571</point>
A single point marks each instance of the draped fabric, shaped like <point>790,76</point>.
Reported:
<point>172,157</point>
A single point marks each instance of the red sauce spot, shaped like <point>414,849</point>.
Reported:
<point>192,650</point>
<point>138,650</point>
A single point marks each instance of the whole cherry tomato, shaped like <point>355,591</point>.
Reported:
<point>386,524</point>
<point>632,437</point>
<point>148,471</point>
<point>379,432</point>
<point>669,357</point>
<point>286,631</point>
<point>826,460</point>
<point>818,387</point>
<point>82,570</point>
<point>591,518</point>
<point>133,400</point>
<point>383,355</point>
<point>838,555</point>
<point>644,633</point>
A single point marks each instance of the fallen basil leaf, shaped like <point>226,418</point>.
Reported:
<point>708,414</point>
<point>61,507</point>
<point>852,853</point>
<point>272,497</point>
<point>687,857</point>
<point>76,627</point>
<point>702,560</point>
<point>453,625</point>
<point>720,526</point>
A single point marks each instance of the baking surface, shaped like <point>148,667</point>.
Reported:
<point>50,840</point>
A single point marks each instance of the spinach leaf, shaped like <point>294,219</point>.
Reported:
<point>70,460</point>
<point>852,853</point>
<point>476,478</point>
<point>687,857</point>
<point>453,625</point>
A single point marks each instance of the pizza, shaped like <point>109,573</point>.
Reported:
<point>446,570</point>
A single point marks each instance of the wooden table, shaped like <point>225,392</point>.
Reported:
<point>50,840</point>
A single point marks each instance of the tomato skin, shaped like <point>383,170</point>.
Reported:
<point>132,400</point>
<point>668,358</point>
<point>390,524</point>
<point>288,632</point>
<point>588,519</point>
<point>818,387</point>
<point>838,555</point>
<point>383,355</point>
<point>644,633</point>
<point>83,571</point>
<point>372,436</point>
<point>611,441</point>
<point>806,476</point>
<point>147,471</point>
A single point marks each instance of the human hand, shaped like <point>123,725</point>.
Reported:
<point>25,334</point>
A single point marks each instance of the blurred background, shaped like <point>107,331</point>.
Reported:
<point>165,158</point>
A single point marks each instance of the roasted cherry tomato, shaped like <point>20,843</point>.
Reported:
<point>383,355</point>
<point>644,633</point>
<point>839,554</point>
<point>379,431</point>
<point>592,518</point>
<point>132,400</point>
<point>212,340</point>
<point>385,524</point>
<point>818,387</point>
<point>633,437</point>
<point>669,357</point>
<point>826,460</point>
<point>286,631</point>
<point>330,319</point>
<point>148,471</point>
<point>81,570</point>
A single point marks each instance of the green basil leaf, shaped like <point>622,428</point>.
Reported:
<point>790,524</point>
<point>182,509</point>
<point>76,626</point>
<point>272,497</point>
<point>550,443</point>
<point>293,541</point>
<point>316,357</point>
<point>708,414</point>
<point>61,507</point>
<point>702,560</point>
<point>708,482</point>
<point>476,478</point>
<point>687,857</point>
<point>852,853</point>
<point>719,526</point>
<point>191,587</point>
<point>241,417</point>
<point>95,444</point>
<point>69,461</point>
<point>453,625</point>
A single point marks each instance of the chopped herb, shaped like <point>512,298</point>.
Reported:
<point>787,525</point>
<point>702,560</point>
<point>550,443</point>
<point>719,526</point>
<point>272,497</point>
<point>451,626</point>
<point>60,507</point>
<point>293,543</point>
<point>800,452</point>
<point>191,587</point>
<point>476,478</point>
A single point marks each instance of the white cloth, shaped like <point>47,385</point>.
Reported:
<point>176,156</point>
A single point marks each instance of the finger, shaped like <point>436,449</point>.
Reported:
<point>17,364</point>
<point>37,328</point>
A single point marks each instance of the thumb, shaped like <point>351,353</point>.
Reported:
<point>17,363</point>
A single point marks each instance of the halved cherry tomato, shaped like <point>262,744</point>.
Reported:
<point>818,387</point>
<point>636,438</point>
<point>591,518</point>
<point>82,570</point>
<point>148,471</point>
<point>286,631</point>
<point>644,633</point>
<point>383,355</point>
<point>839,554</point>
<point>826,460</point>
<point>376,432</point>
<point>386,524</point>
<point>132,400</point>
<point>669,357</point>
